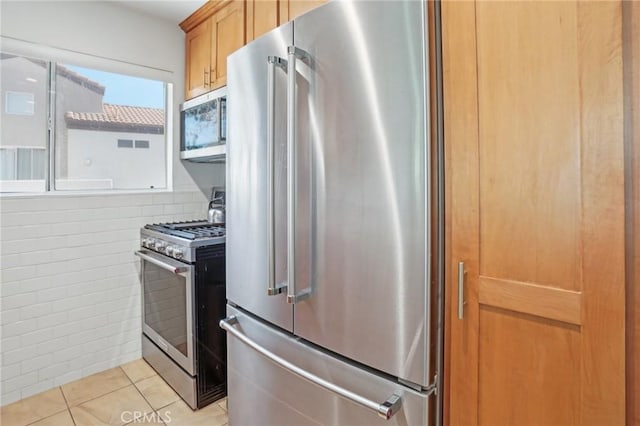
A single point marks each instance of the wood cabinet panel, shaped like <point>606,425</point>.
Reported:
<point>291,9</point>
<point>229,35</point>
<point>198,53</point>
<point>461,213</point>
<point>534,172</point>
<point>631,26</point>
<point>262,16</point>
<point>533,370</point>
<point>528,99</point>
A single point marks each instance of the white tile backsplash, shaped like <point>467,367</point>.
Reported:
<point>35,311</point>
<point>69,286</point>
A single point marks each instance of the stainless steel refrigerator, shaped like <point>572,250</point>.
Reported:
<point>330,302</point>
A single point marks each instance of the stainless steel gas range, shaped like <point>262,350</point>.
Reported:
<point>182,273</point>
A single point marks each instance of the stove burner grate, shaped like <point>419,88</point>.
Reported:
<point>189,230</point>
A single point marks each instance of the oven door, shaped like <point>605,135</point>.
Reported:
<point>167,306</point>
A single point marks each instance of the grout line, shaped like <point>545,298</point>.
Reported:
<point>67,404</point>
<point>64,397</point>
<point>157,415</point>
<point>50,415</point>
<point>143,397</point>
<point>100,396</point>
<point>125,374</point>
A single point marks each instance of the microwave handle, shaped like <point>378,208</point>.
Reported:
<point>219,102</point>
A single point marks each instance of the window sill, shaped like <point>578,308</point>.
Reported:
<point>80,193</point>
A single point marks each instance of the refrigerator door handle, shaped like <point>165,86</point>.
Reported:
<point>292,172</point>
<point>272,61</point>
<point>385,409</point>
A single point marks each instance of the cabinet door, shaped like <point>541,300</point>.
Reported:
<point>228,36</point>
<point>198,60</point>
<point>533,97</point>
<point>291,9</point>
<point>262,16</point>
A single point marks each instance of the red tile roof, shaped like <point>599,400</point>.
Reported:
<point>119,118</point>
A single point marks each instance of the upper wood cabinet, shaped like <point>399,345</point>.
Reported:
<point>220,27</point>
<point>291,9</point>
<point>265,15</point>
<point>262,16</point>
<point>198,62</point>
<point>228,32</point>
<point>212,33</point>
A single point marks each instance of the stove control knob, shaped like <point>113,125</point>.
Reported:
<point>178,253</point>
<point>148,242</point>
<point>160,245</point>
<point>169,250</point>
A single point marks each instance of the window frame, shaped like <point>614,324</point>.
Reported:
<point>52,56</point>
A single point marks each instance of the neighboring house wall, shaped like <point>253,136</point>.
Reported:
<point>18,74</point>
<point>70,96</point>
<point>70,295</point>
<point>93,154</point>
<point>23,130</point>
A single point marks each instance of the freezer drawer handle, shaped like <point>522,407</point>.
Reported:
<point>386,409</point>
<point>273,62</point>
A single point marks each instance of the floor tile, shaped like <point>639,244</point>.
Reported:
<point>94,386</point>
<point>222,403</point>
<point>60,419</point>
<point>138,370</point>
<point>150,419</point>
<point>116,408</point>
<point>34,408</point>
<point>157,392</point>
<point>179,413</point>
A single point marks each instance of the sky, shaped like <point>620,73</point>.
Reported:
<point>125,90</point>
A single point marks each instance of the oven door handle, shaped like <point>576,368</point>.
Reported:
<point>178,269</point>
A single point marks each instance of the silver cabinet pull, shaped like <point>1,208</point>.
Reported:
<point>385,409</point>
<point>461,302</point>
<point>293,54</point>
<point>156,260</point>
<point>272,62</point>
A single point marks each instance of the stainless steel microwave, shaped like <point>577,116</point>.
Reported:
<point>203,127</point>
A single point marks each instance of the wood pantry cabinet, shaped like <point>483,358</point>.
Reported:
<point>212,33</point>
<point>534,147</point>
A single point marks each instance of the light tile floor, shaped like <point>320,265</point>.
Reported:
<point>127,395</point>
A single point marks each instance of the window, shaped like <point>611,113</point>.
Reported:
<point>19,103</point>
<point>88,110</point>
